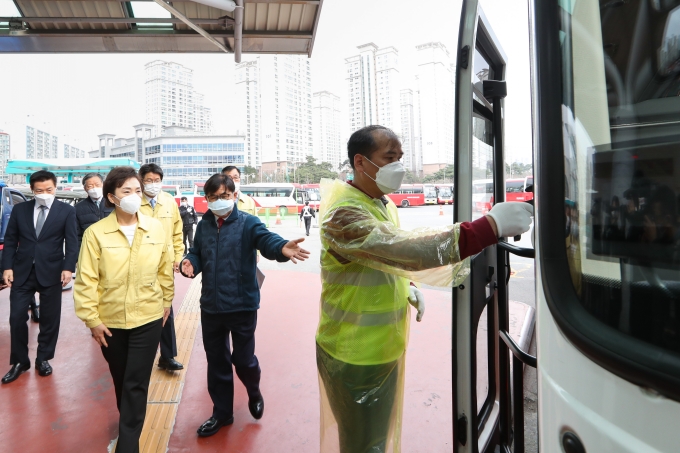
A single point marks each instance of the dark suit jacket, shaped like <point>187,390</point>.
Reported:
<point>88,213</point>
<point>51,257</point>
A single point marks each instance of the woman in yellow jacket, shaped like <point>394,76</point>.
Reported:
<point>123,292</point>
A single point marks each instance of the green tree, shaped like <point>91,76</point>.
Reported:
<point>310,172</point>
<point>443,175</point>
<point>250,174</point>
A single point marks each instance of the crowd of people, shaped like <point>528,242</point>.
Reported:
<point>128,239</point>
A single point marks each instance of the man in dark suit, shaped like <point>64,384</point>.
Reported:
<point>35,260</point>
<point>92,209</point>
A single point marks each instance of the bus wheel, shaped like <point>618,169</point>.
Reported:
<point>283,211</point>
<point>404,203</point>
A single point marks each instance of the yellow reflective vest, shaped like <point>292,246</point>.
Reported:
<point>367,263</point>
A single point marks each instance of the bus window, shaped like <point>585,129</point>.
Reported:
<point>621,230</point>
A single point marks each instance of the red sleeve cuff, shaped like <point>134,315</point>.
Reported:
<point>475,237</point>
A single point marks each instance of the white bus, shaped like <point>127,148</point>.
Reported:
<point>283,198</point>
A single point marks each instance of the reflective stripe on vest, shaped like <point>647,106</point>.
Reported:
<point>369,279</point>
<point>363,319</point>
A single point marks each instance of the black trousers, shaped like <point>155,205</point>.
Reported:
<point>362,400</point>
<point>188,235</point>
<point>168,338</point>
<point>20,298</point>
<point>130,355</point>
<point>308,224</point>
<point>216,329</point>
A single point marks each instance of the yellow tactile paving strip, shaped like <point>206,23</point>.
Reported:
<point>165,388</point>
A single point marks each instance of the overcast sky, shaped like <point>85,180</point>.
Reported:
<point>82,96</point>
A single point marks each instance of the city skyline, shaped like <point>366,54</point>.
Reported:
<point>110,101</point>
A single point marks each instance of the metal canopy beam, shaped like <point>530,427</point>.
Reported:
<point>115,20</point>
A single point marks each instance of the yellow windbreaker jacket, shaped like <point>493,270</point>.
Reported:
<point>167,212</point>
<point>121,286</point>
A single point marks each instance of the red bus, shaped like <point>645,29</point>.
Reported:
<point>311,193</point>
<point>516,189</point>
<point>444,193</point>
<point>408,195</point>
<point>200,204</point>
<point>175,192</point>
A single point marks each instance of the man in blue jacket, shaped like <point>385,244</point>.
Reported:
<point>225,250</point>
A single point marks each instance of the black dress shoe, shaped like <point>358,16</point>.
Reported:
<point>44,368</point>
<point>17,370</point>
<point>169,364</point>
<point>35,313</point>
<point>256,407</point>
<point>212,425</point>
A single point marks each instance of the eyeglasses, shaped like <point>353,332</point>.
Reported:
<point>224,196</point>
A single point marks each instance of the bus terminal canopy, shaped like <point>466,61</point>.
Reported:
<point>152,26</point>
<point>67,168</point>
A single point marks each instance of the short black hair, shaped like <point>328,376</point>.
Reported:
<point>150,168</point>
<point>90,176</point>
<point>184,198</point>
<point>41,176</point>
<point>229,168</point>
<point>115,179</point>
<point>362,141</point>
<point>216,181</point>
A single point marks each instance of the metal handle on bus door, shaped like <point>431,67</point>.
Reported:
<point>519,251</point>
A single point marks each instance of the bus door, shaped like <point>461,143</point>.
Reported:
<point>606,85</point>
<point>481,359</point>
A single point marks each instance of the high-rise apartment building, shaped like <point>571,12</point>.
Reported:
<point>71,152</point>
<point>41,144</point>
<point>435,107</point>
<point>412,159</point>
<point>274,98</point>
<point>171,99</point>
<point>4,154</point>
<point>326,122</point>
<point>373,84</point>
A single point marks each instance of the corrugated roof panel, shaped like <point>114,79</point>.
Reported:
<point>194,10</point>
<point>279,17</point>
<point>97,9</point>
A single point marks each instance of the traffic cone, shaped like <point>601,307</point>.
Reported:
<point>278,218</point>
<point>441,210</point>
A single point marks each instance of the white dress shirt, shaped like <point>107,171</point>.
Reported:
<point>36,212</point>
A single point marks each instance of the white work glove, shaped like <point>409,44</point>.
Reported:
<point>512,219</point>
<point>416,298</point>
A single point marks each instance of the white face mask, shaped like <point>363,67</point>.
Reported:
<point>389,177</point>
<point>95,193</point>
<point>130,203</point>
<point>153,189</point>
<point>237,186</point>
<point>185,204</point>
<point>221,207</point>
<point>44,199</point>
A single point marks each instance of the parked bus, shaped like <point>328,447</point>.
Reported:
<point>311,193</point>
<point>408,195</point>
<point>430,193</point>
<point>516,189</point>
<point>281,197</point>
<point>444,193</point>
<point>482,195</point>
<point>176,192</point>
<point>200,204</point>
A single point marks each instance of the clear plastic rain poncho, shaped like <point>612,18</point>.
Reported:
<point>367,264</point>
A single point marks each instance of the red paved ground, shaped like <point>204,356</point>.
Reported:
<point>285,347</point>
<point>72,411</point>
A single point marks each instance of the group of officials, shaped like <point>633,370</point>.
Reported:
<point>128,239</point>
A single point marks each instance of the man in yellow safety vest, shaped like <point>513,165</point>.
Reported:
<point>367,266</point>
